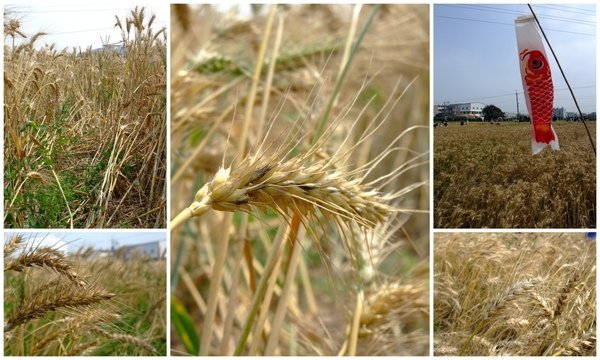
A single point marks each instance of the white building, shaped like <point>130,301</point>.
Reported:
<point>119,49</point>
<point>439,109</point>
<point>559,113</point>
<point>151,250</point>
<point>469,110</point>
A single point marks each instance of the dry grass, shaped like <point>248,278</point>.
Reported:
<point>57,304</point>
<point>301,173</point>
<point>485,176</point>
<point>85,132</point>
<point>515,294</point>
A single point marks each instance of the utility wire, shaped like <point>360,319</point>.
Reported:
<point>517,12</point>
<point>79,31</point>
<point>564,77</point>
<point>565,8</point>
<point>90,30</point>
<point>65,11</point>
<point>501,23</point>
<point>474,99</point>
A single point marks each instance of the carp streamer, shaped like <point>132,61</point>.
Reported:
<point>537,83</point>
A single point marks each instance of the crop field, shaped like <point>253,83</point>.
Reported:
<point>486,177</point>
<point>85,131</point>
<point>514,294</point>
<point>299,173</point>
<point>67,304</point>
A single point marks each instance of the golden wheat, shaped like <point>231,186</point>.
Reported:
<point>514,294</point>
<point>486,177</point>
<point>59,304</point>
<point>44,257</point>
<point>64,297</point>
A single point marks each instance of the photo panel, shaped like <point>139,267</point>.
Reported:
<point>515,294</point>
<point>85,138</point>
<point>85,293</point>
<point>514,135</point>
<point>300,179</point>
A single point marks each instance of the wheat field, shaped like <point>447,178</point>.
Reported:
<point>486,177</point>
<point>58,303</point>
<point>85,131</point>
<point>299,171</point>
<point>514,294</point>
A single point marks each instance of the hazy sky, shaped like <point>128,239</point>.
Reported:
<point>81,24</point>
<point>475,54</point>
<point>72,241</point>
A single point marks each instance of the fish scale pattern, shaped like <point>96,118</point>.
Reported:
<point>541,97</point>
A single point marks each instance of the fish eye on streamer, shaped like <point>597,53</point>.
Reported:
<point>537,63</point>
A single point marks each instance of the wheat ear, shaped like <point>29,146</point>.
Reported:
<point>301,185</point>
<point>84,349</point>
<point>12,244</point>
<point>46,258</point>
<point>67,297</point>
<point>128,339</point>
<point>518,288</point>
<point>289,187</point>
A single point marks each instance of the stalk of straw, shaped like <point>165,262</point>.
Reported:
<point>223,244</point>
<point>273,341</point>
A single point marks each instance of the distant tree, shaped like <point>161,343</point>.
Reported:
<point>492,112</point>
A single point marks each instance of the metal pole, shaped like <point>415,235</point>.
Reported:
<point>517,97</point>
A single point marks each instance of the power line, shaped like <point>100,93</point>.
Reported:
<point>80,31</point>
<point>517,12</point>
<point>578,87</point>
<point>508,24</point>
<point>65,11</point>
<point>563,8</point>
<point>90,30</point>
<point>475,99</point>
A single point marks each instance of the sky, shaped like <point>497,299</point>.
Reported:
<point>475,54</point>
<point>73,241</point>
<point>81,24</point>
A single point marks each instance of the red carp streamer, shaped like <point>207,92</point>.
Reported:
<point>537,83</point>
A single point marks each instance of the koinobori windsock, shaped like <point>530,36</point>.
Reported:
<point>537,83</point>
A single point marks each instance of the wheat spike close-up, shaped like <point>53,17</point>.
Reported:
<point>299,180</point>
